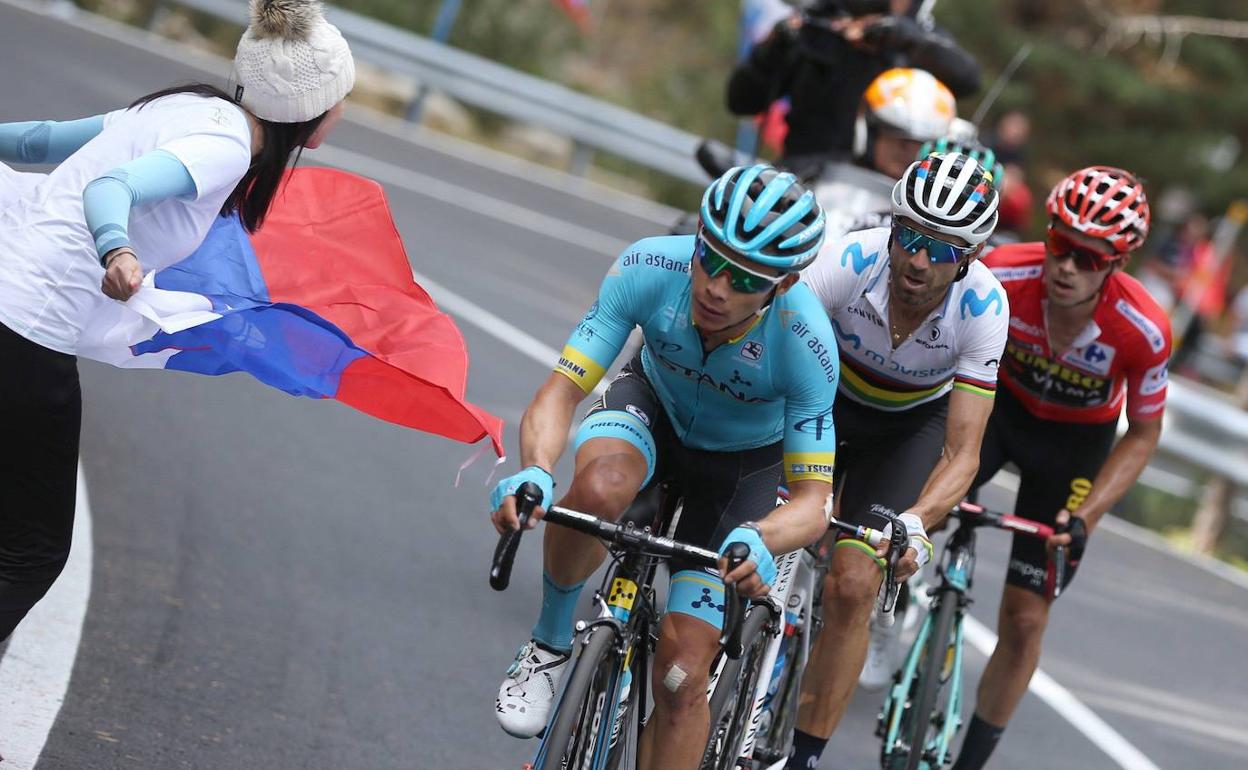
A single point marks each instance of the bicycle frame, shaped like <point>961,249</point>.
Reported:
<point>798,578</point>
<point>956,571</point>
<point>794,578</point>
<point>629,610</point>
<point>957,567</point>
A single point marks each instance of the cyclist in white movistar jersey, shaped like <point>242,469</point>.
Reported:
<point>921,326</point>
<point>884,649</point>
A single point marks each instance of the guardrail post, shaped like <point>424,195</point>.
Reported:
<point>582,157</point>
<point>416,109</point>
<point>156,15</point>
<point>1213,514</point>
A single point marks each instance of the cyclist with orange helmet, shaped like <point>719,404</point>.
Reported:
<point>901,110</point>
<point>1085,338</point>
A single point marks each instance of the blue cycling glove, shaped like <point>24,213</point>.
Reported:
<point>758,551</point>
<point>508,486</point>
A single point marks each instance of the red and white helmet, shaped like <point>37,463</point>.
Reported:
<point>1103,202</point>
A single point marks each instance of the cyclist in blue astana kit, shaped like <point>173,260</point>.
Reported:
<point>921,326</point>
<point>731,393</point>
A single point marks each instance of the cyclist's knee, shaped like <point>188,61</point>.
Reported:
<point>1023,622</point>
<point>604,486</point>
<point>853,581</point>
<point>680,684</point>
<point>682,661</point>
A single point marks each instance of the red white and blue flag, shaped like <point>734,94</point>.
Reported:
<point>320,302</point>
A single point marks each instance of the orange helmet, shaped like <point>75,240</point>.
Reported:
<point>912,102</point>
<point>1103,202</point>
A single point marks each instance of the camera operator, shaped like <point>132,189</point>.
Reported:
<point>825,57</point>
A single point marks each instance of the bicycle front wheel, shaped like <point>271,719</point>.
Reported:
<point>579,729</point>
<point>733,699</point>
<point>920,722</point>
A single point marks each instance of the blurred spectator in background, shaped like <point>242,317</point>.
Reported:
<point>1187,275</point>
<point>1237,327</point>
<point>1008,139</point>
<point>825,57</point>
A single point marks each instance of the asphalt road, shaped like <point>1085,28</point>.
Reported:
<point>290,584</point>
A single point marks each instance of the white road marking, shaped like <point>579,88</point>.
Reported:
<point>471,313</point>
<point>34,673</point>
<point>480,203</point>
<point>1070,708</point>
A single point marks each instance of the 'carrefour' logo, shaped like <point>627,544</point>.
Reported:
<point>977,306</point>
<point>860,262</point>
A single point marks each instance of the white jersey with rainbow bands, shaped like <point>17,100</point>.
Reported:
<point>957,346</point>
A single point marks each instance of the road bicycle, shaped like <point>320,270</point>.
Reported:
<point>754,707</point>
<point>596,722</point>
<point>922,710</point>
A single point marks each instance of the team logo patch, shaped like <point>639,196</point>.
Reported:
<point>818,425</point>
<point>640,415</point>
<point>854,251</point>
<point>706,600</point>
<point>1156,340</point>
<point>752,350</point>
<point>1154,380</point>
<point>1094,357</point>
<point>971,301</point>
<point>1004,274</point>
<point>853,339</point>
<point>1023,326</point>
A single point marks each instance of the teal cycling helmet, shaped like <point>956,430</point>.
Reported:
<point>984,156</point>
<point>764,215</point>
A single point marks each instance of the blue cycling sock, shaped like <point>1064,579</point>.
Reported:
<point>554,625</point>
<point>806,751</point>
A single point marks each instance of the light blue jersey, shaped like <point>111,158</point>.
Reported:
<point>775,381</point>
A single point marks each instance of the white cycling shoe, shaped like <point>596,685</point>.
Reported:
<point>526,695</point>
<point>882,652</point>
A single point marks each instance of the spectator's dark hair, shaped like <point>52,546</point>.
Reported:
<point>254,193</point>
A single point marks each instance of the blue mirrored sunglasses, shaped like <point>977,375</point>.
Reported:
<point>938,251</point>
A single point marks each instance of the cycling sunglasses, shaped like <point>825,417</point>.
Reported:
<point>938,251</point>
<point>1061,246</point>
<point>742,278</point>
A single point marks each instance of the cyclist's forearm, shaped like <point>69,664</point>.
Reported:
<point>1125,463</point>
<point>946,486</point>
<point>544,427</point>
<point>799,523</point>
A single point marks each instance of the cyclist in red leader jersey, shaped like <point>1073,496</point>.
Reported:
<point>1084,339</point>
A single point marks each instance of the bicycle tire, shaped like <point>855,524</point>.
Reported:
<point>734,693</point>
<point>918,718</point>
<point>571,734</point>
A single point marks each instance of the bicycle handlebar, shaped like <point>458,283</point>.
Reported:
<point>734,604</point>
<point>977,515</point>
<point>527,497</point>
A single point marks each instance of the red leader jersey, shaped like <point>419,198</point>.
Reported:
<point>1120,356</point>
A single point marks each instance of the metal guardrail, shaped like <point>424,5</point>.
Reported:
<point>1203,428</point>
<point>591,123</point>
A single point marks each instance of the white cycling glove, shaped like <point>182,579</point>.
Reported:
<point>918,538</point>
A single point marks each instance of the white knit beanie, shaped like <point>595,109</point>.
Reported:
<point>291,64</point>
